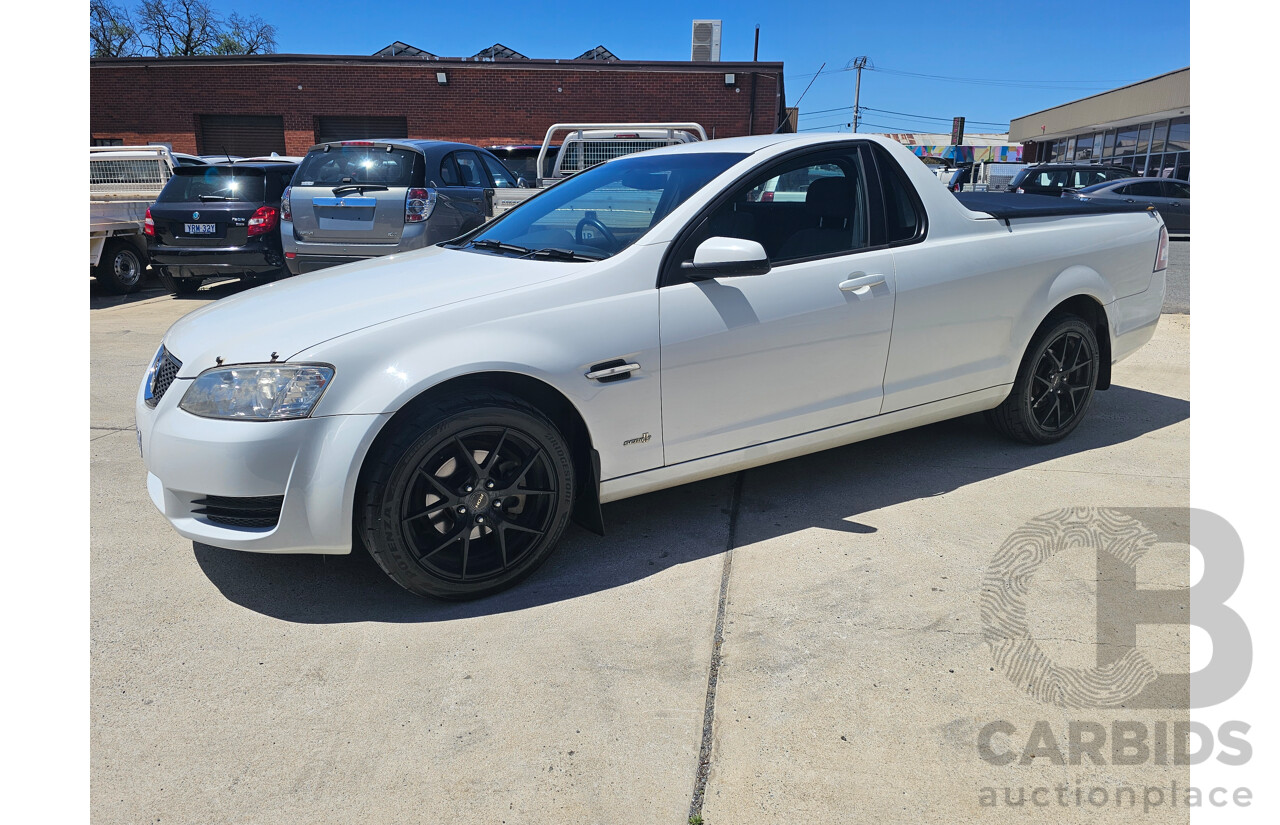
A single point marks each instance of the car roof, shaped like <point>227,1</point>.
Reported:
<point>407,143</point>
<point>1076,166</point>
<point>254,164</point>
<point>1141,179</point>
<point>755,143</point>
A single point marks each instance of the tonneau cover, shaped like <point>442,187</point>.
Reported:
<point>1004,205</point>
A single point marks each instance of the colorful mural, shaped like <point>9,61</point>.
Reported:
<point>971,154</point>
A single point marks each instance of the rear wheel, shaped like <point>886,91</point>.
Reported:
<point>1055,384</point>
<point>177,285</point>
<point>121,268</point>
<point>467,497</point>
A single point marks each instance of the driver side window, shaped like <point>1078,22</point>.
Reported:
<point>804,208</point>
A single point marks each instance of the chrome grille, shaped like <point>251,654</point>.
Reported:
<point>163,371</point>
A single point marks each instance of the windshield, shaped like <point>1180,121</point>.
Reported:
<point>210,183</point>
<point>602,211</point>
<point>373,165</point>
<point>1097,187</point>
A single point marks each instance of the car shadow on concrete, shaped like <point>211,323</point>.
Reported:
<point>653,533</point>
<point>99,298</point>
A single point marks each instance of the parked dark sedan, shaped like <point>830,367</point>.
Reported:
<point>218,220</point>
<point>1052,178</point>
<point>1171,198</point>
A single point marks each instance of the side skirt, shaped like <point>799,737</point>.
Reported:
<point>614,489</point>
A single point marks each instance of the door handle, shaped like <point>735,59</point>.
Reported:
<point>861,282</point>
<point>614,372</point>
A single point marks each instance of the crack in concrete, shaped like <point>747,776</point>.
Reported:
<point>713,675</point>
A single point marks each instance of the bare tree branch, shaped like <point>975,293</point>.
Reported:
<point>178,28</point>
<point>246,35</point>
<point>111,31</point>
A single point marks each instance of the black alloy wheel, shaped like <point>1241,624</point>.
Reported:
<point>467,499</point>
<point>1055,384</point>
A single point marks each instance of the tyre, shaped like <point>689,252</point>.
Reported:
<point>121,268</point>
<point>179,286</point>
<point>466,497</point>
<point>1055,384</point>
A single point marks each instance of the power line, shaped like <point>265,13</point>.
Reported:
<point>826,126</point>
<point>990,79</point>
<point>1065,85</point>
<point>933,117</point>
<point>1056,83</point>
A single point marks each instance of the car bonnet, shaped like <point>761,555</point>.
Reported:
<point>278,320</point>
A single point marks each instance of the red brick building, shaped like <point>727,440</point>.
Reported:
<point>256,104</point>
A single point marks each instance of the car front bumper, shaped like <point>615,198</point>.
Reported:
<point>312,462</point>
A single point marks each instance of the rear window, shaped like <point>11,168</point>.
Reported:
<point>386,166</point>
<point>214,183</point>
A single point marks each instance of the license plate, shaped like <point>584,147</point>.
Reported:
<point>200,228</point>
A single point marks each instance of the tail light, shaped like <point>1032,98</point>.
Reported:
<point>1162,251</point>
<point>419,204</point>
<point>148,226</point>
<point>766,197</point>
<point>286,204</point>
<point>263,221</point>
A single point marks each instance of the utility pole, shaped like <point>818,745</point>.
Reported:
<point>859,63</point>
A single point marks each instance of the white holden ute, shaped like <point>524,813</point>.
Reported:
<point>648,322</point>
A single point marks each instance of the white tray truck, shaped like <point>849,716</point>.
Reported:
<point>123,182</point>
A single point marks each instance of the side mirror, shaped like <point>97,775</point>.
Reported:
<point>726,257</point>
<point>522,182</point>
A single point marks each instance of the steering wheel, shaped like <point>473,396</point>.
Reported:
<point>595,224</point>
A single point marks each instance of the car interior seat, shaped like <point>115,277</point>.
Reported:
<point>829,203</point>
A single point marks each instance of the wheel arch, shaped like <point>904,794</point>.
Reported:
<point>537,393</point>
<point>1081,291</point>
<point>1094,313</point>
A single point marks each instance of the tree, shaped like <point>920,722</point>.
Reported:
<point>246,35</point>
<point>111,31</point>
<point>179,28</point>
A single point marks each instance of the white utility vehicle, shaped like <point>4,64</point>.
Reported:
<point>588,144</point>
<point>642,324</point>
<point>123,182</point>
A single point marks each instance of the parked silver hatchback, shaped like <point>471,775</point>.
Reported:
<point>358,199</point>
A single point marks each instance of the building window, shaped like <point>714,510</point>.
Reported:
<point>106,141</point>
<point>1158,137</point>
<point>1084,147</point>
<point>1144,139</point>
<point>1179,134</point>
<point>1109,143</point>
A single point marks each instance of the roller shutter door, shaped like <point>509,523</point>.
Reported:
<point>244,135</point>
<point>359,128</point>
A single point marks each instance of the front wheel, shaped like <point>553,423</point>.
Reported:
<point>1055,384</point>
<point>466,497</point>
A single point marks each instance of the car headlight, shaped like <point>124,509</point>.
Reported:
<point>257,392</point>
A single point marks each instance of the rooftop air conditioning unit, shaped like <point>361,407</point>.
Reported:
<point>706,41</point>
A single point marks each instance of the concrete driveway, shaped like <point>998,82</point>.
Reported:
<point>834,601</point>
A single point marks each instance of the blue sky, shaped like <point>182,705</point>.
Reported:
<point>1025,56</point>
